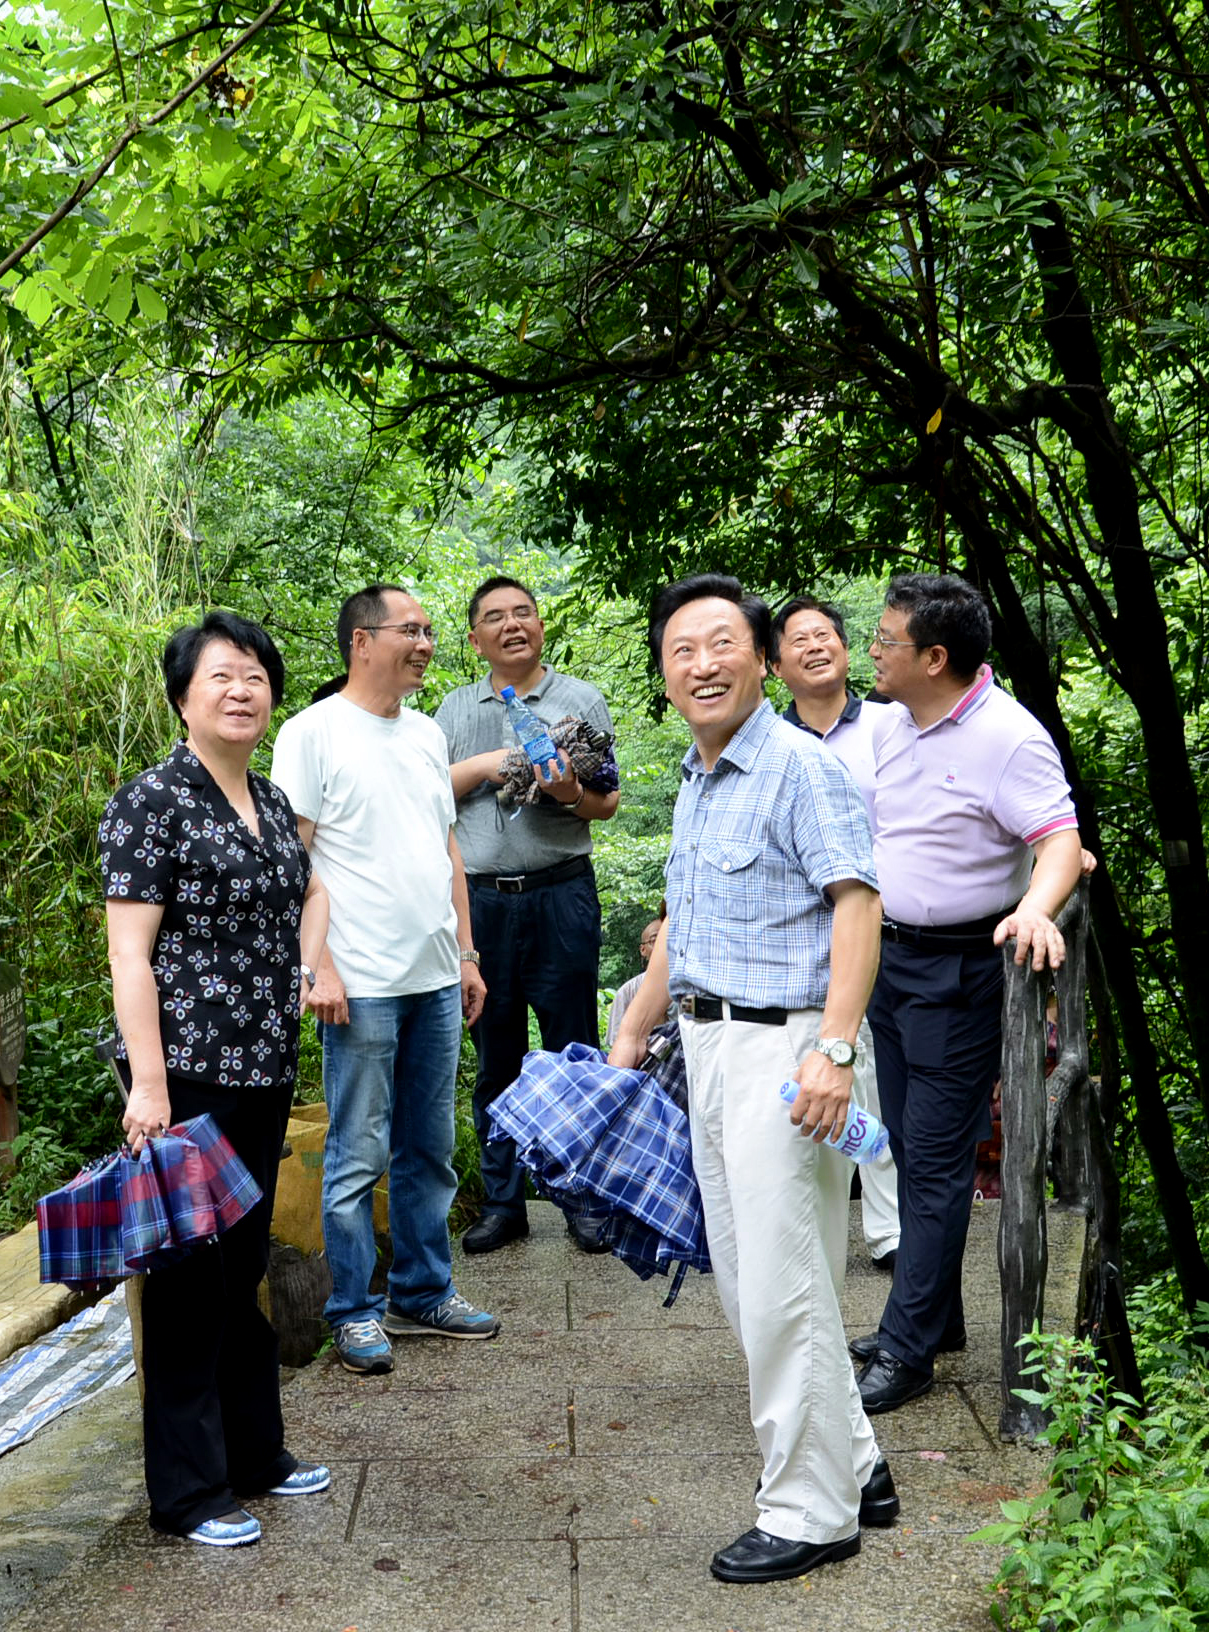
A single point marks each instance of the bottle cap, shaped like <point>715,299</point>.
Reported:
<point>507,693</point>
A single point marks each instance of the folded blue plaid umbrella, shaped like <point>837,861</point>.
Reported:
<point>124,1213</point>
<point>598,1139</point>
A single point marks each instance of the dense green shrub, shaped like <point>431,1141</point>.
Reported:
<point>1118,1541</point>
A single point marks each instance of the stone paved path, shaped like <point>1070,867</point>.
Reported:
<point>574,1475</point>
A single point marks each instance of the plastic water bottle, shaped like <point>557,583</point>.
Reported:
<point>863,1137</point>
<point>530,732</point>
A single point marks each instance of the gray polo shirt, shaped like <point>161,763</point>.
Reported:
<point>491,839</point>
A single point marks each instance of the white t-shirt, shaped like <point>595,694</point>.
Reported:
<point>379,793</point>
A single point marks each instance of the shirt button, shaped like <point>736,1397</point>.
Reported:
<point>726,866</point>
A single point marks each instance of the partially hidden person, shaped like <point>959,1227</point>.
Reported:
<point>810,654</point>
<point>533,903</point>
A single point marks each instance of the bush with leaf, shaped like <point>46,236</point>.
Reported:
<point>1118,1541</point>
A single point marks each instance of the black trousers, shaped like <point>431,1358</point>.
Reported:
<point>539,950</point>
<point>935,1019</point>
<point>212,1423</point>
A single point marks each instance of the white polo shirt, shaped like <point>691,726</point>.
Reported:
<point>958,806</point>
<point>850,738</point>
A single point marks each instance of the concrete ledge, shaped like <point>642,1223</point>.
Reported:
<point>28,1310</point>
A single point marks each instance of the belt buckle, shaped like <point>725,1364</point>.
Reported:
<point>512,884</point>
<point>688,1005</point>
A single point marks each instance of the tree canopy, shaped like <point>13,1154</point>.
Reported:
<point>808,290</point>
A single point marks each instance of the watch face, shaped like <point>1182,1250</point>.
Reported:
<point>840,1053</point>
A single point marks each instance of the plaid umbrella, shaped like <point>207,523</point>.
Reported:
<point>124,1213</point>
<point>602,1140</point>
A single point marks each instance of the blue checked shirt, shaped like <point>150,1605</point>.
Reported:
<point>755,843</point>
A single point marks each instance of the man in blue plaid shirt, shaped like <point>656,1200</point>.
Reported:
<point>769,952</point>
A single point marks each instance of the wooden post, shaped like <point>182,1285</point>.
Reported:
<point>1023,1248</point>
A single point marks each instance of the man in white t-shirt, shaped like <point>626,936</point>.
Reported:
<point>369,783</point>
<point>810,654</point>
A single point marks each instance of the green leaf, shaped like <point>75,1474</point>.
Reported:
<point>151,304</point>
<point>121,299</point>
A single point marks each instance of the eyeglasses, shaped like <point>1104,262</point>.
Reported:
<point>878,639</point>
<point>410,631</point>
<point>522,614</point>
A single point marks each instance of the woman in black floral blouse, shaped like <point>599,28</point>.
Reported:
<point>215,919</point>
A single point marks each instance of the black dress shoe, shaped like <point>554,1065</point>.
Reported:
<point>863,1349</point>
<point>886,1262</point>
<point>494,1230</point>
<point>888,1382</point>
<point>757,1556</point>
<point>584,1229</point>
<point>879,1499</point>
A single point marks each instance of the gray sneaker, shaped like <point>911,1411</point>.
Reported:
<point>363,1347</point>
<point>453,1318</point>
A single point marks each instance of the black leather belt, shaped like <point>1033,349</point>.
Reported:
<point>518,883</point>
<point>698,1007</point>
<point>974,936</point>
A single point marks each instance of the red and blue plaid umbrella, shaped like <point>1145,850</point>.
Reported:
<point>124,1213</point>
<point>602,1140</point>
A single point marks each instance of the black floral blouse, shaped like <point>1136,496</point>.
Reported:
<point>226,956</point>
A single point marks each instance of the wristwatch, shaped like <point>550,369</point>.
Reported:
<point>469,955</point>
<point>308,974</point>
<point>837,1050</point>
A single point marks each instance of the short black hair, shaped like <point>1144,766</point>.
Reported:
<point>185,647</point>
<point>488,586</point>
<point>707,586</point>
<point>363,610</point>
<point>805,603</point>
<point>944,610</point>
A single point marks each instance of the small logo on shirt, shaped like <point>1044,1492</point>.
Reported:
<point>951,777</point>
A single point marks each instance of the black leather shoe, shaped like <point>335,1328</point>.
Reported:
<point>879,1499</point>
<point>757,1556</point>
<point>886,1262</point>
<point>862,1349</point>
<point>585,1230</point>
<point>494,1230</point>
<point>888,1382</point>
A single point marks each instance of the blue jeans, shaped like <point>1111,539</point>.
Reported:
<point>389,1078</point>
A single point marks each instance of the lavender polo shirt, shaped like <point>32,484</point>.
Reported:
<point>958,806</point>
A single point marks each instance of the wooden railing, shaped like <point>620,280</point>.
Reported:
<point>1058,1115</point>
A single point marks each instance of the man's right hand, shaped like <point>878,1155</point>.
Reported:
<point>327,999</point>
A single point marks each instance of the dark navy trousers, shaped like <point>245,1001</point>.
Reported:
<point>212,1426</point>
<point>540,950</point>
<point>935,1019</point>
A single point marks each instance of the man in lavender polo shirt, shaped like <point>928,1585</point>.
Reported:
<point>975,841</point>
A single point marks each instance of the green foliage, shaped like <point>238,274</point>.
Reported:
<point>1119,1539</point>
<point>42,1164</point>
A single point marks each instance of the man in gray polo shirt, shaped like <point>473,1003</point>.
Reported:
<point>533,903</point>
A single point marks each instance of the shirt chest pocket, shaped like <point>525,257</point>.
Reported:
<point>728,875</point>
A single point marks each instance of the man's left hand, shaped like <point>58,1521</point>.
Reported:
<point>564,785</point>
<point>821,1107</point>
<point>474,992</point>
<point>1035,932</point>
